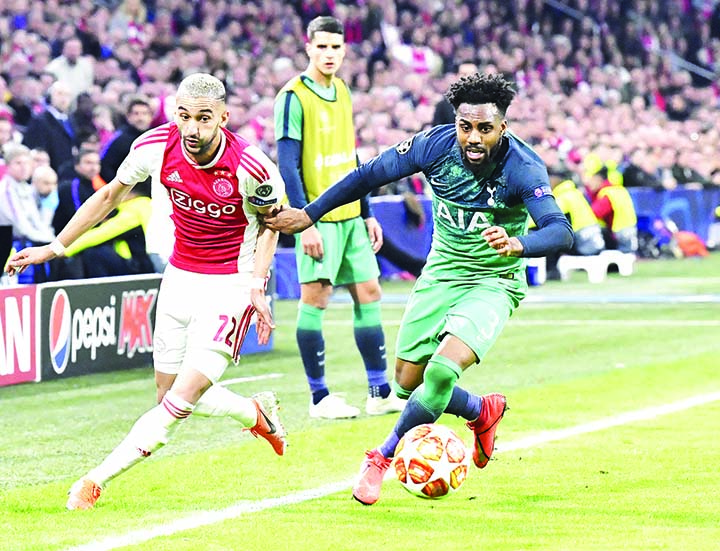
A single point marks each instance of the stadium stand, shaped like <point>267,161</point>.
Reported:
<point>631,83</point>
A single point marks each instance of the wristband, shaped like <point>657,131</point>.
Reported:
<point>57,247</point>
<point>258,283</point>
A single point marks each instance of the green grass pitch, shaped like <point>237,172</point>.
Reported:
<point>574,354</point>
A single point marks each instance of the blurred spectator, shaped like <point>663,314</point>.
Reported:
<point>684,172</point>
<point>138,115</point>
<point>129,21</point>
<point>81,118</point>
<point>7,129</point>
<point>7,135</point>
<point>415,55</point>
<point>26,100</point>
<point>639,172</point>
<point>103,117</point>
<point>40,157</point>
<point>615,211</point>
<point>72,68</point>
<point>73,193</point>
<point>45,184</point>
<point>5,95</point>
<point>51,129</point>
<point>18,205</point>
<point>67,171</point>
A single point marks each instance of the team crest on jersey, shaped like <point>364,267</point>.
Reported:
<point>404,147</point>
<point>542,190</point>
<point>222,187</point>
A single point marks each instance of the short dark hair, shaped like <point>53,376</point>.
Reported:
<point>482,88</point>
<point>324,23</point>
<point>137,100</point>
<point>82,153</point>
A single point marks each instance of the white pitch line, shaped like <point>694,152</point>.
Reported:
<point>212,517</point>
<point>608,422</point>
<point>234,511</point>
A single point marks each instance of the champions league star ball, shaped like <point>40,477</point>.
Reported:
<point>431,461</point>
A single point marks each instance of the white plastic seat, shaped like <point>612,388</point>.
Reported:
<point>596,266</point>
<point>624,261</point>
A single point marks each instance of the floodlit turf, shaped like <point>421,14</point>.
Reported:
<point>644,485</point>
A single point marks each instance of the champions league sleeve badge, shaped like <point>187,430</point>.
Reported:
<point>263,190</point>
<point>542,190</point>
<point>403,147</point>
<point>259,198</point>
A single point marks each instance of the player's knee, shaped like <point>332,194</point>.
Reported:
<point>439,379</point>
<point>370,291</point>
<point>408,376</point>
<point>316,294</point>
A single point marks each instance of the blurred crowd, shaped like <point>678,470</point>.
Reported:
<point>627,85</point>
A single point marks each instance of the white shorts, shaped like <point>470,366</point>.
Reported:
<point>201,321</point>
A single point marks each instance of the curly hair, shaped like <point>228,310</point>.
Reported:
<point>481,88</point>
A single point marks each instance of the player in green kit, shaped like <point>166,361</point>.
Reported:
<point>485,182</point>
<point>316,147</point>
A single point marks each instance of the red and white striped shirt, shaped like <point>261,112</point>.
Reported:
<point>214,207</point>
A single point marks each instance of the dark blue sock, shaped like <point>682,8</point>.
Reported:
<point>463,404</point>
<point>413,415</point>
<point>312,349</point>
<point>312,352</point>
<point>370,340</point>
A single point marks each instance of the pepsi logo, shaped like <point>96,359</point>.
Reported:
<point>59,331</point>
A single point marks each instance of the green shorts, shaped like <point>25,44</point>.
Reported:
<point>348,255</point>
<point>473,312</point>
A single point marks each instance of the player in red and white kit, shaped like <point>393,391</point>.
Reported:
<point>214,283</point>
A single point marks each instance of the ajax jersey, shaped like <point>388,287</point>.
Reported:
<point>215,206</point>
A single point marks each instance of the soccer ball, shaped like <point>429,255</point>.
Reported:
<point>431,461</point>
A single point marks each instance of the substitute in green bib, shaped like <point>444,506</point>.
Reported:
<point>316,147</point>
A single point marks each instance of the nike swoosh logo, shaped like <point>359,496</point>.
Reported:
<point>269,422</point>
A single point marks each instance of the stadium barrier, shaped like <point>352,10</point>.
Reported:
<point>68,328</point>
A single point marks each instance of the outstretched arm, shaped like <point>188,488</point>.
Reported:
<point>383,169</point>
<point>92,211</point>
